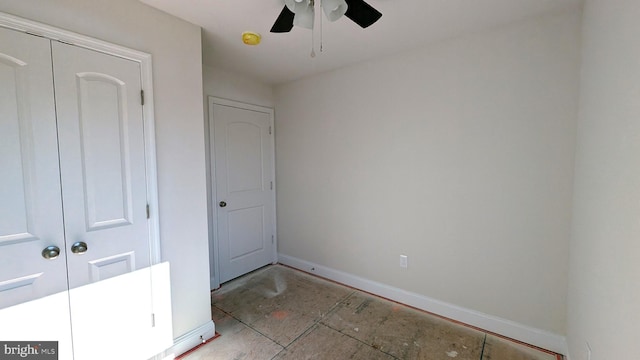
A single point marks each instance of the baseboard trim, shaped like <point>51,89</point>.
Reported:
<point>188,341</point>
<point>493,324</point>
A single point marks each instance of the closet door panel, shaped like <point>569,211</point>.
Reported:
<point>30,209</point>
<point>33,296</point>
<point>104,151</point>
<point>102,163</point>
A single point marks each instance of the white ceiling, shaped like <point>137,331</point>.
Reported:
<point>405,24</point>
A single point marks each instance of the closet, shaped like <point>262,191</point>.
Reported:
<point>77,256</point>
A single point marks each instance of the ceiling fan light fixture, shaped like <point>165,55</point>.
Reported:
<point>301,13</point>
<point>296,6</point>
<point>334,9</point>
<point>304,13</point>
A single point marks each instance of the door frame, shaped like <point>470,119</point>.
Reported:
<point>144,60</point>
<point>212,198</point>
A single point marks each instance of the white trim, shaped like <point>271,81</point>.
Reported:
<point>214,266</point>
<point>150,160</point>
<point>211,210</point>
<point>213,238</point>
<point>144,60</point>
<point>53,33</point>
<point>188,341</point>
<point>494,324</point>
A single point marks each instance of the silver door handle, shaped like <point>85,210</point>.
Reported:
<point>79,247</point>
<point>51,252</point>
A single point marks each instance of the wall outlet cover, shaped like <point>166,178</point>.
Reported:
<point>404,261</point>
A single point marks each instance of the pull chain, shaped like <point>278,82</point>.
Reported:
<point>313,52</point>
<point>321,9</point>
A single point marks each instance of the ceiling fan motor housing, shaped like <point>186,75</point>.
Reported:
<point>301,13</point>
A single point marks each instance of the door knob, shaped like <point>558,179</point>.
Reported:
<point>79,247</point>
<point>223,204</point>
<point>51,252</point>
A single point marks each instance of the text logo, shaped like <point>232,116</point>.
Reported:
<point>31,350</point>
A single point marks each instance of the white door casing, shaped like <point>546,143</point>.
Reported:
<point>243,182</point>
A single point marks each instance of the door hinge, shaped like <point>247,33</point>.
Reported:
<point>142,97</point>
<point>148,212</point>
<point>272,185</point>
<point>272,239</point>
<point>269,130</point>
<point>153,320</point>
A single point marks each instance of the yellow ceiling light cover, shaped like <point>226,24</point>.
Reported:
<point>251,38</point>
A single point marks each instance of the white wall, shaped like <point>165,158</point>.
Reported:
<point>233,86</point>
<point>177,75</point>
<point>459,155</point>
<point>604,288</point>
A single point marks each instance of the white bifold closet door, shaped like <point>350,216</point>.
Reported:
<point>75,260</point>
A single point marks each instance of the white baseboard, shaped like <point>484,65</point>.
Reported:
<point>494,324</point>
<point>190,340</point>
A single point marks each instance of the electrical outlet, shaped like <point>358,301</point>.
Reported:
<point>404,261</point>
<point>588,351</point>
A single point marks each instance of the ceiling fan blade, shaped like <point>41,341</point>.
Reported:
<point>284,22</point>
<point>362,13</point>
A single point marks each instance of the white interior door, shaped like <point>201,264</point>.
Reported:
<point>244,186</point>
<point>33,298</point>
<point>102,165</point>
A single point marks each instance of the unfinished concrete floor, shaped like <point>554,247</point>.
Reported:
<point>281,313</point>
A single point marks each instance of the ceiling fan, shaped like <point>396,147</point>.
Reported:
<point>301,13</point>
